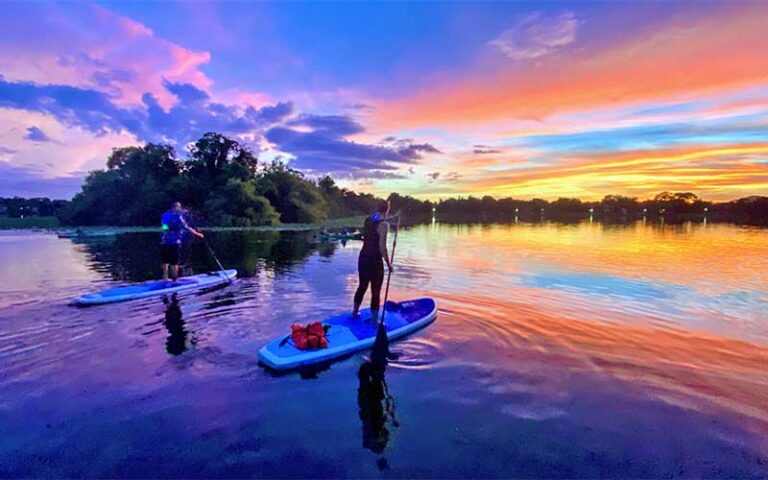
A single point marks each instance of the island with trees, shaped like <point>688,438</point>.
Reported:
<point>222,183</point>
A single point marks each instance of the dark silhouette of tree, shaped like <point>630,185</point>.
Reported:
<point>223,183</point>
<point>295,199</point>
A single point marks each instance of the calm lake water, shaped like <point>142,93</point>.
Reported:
<point>559,351</point>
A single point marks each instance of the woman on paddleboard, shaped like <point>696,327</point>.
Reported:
<point>370,263</point>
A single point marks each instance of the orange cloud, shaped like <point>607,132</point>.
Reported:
<point>716,172</point>
<point>723,50</point>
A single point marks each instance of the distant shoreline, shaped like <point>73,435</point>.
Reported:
<point>50,224</point>
<point>356,222</point>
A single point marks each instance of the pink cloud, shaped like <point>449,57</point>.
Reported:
<point>89,46</point>
<point>71,149</point>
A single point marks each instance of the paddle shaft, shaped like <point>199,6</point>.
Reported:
<point>389,275</point>
<point>215,257</point>
<point>213,254</point>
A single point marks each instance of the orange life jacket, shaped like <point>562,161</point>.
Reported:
<point>309,336</point>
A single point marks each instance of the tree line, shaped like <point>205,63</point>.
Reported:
<point>222,184</point>
<point>219,181</point>
<point>17,207</point>
<point>612,208</point>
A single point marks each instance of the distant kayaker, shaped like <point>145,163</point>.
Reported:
<point>173,225</point>
<point>370,263</point>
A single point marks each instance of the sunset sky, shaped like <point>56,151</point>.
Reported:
<point>522,99</point>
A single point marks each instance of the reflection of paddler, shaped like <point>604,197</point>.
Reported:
<point>376,406</point>
<point>176,343</point>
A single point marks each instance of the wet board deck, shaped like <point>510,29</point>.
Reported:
<point>155,288</point>
<point>347,335</point>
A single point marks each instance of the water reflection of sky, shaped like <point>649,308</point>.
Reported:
<point>708,278</point>
<point>560,350</point>
<point>672,302</point>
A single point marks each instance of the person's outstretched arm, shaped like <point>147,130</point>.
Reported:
<point>383,230</point>
<point>195,232</point>
<point>191,230</point>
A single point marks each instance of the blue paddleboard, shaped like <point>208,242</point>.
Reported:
<point>95,234</point>
<point>156,287</point>
<point>347,335</point>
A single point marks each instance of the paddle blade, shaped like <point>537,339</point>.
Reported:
<point>380,350</point>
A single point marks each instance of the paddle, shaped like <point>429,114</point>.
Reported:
<point>380,350</point>
<point>213,254</point>
<point>215,257</point>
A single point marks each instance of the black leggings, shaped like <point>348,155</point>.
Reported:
<point>370,269</point>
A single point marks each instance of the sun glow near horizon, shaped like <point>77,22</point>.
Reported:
<point>554,100</point>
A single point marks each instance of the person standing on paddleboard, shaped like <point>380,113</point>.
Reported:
<point>174,226</point>
<point>370,263</point>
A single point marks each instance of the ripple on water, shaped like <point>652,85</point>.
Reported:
<point>416,353</point>
<point>565,366</point>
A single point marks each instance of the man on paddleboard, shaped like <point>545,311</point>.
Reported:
<point>173,225</point>
<point>370,263</point>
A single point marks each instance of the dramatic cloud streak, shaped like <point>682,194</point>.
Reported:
<point>191,115</point>
<point>674,58</point>
<point>524,100</point>
<point>324,148</point>
<point>715,172</point>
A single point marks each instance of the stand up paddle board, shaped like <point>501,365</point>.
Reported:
<point>69,234</point>
<point>347,335</point>
<point>156,287</point>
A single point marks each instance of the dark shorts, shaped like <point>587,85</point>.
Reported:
<point>170,254</point>
<point>371,268</point>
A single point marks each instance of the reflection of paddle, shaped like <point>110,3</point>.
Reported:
<point>380,350</point>
<point>376,407</point>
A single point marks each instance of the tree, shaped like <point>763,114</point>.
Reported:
<point>296,199</point>
<point>213,160</point>
<point>130,192</point>
<point>238,205</point>
<point>619,205</point>
<point>410,206</point>
<point>687,197</point>
<point>664,197</point>
<point>567,205</point>
<point>217,153</point>
<point>328,185</point>
<point>140,182</point>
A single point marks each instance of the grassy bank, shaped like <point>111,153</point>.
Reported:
<point>9,223</point>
